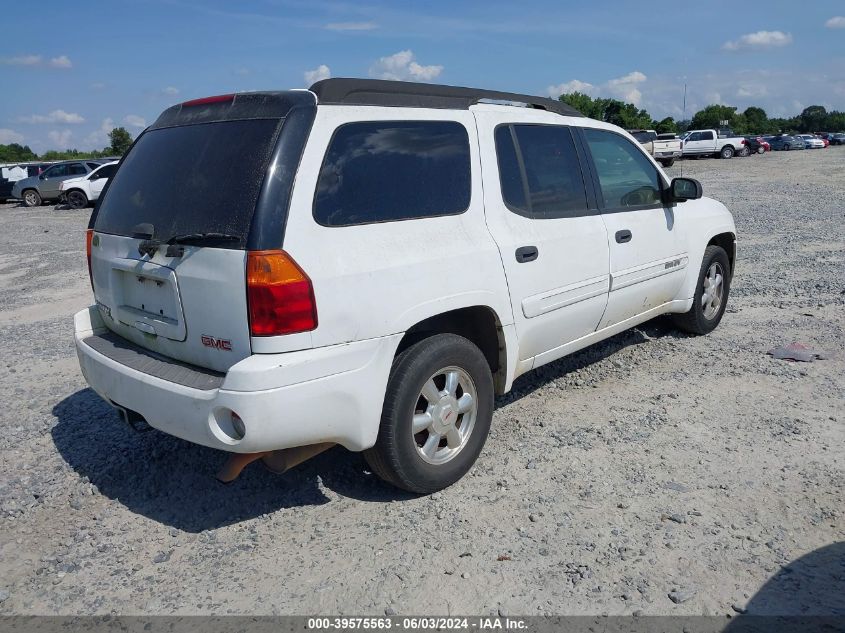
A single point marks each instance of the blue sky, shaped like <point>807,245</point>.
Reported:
<point>71,71</point>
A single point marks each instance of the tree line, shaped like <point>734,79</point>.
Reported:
<point>119,141</point>
<point>752,120</point>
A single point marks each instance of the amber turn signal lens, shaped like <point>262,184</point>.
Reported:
<point>280,295</point>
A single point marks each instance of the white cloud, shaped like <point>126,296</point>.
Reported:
<point>402,66</point>
<point>624,88</point>
<point>99,138</point>
<point>570,86</point>
<point>10,136</point>
<point>170,91</point>
<point>56,116</point>
<point>351,26</point>
<point>837,22</point>
<point>61,61</point>
<point>133,120</point>
<point>759,40</point>
<point>318,74</point>
<point>21,60</point>
<point>61,139</point>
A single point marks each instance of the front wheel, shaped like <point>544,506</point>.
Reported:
<point>77,199</point>
<point>31,198</point>
<point>711,295</point>
<point>727,152</point>
<point>761,150</point>
<point>436,416</point>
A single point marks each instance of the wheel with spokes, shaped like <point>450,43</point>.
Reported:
<point>711,295</point>
<point>436,416</point>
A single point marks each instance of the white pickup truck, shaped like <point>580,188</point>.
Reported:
<point>664,147</point>
<point>712,143</point>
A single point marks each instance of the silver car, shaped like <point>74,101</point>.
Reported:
<point>46,186</point>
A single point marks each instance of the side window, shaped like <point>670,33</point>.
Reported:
<point>76,169</point>
<point>382,171</point>
<point>56,171</point>
<point>540,173</point>
<point>627,177</point>
<point>107,171</point>
<point>707,136</point>
<point>695,136</point>
<point>92,166</point>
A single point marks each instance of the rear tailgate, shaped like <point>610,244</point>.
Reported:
<point>172,228</point>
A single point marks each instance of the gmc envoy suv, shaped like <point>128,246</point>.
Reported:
<point>368,263</point>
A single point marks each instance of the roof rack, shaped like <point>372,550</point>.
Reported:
<point>380,92</point>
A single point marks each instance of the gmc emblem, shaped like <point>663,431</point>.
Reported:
<point>216,343</point>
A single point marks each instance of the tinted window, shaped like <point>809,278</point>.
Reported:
<point>695,136</point>
<point>55,171</point>
<point>549,172</point>
<point>383,171</point>
<point>107,171</point>
<point>190,179</point>
<point>707,136</point>
<point>76,169</point>
<point>643,137</point>
<point>93,166</point>
<point>627,177</point>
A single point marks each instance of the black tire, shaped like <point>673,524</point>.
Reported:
<point>727,152</point>
<point>695,321</point>
<point>77,199</point>
<point>31,198</point>
<point>744,152</point>
<point>395,457</point>
<point>761,150</point>
<point>667,162</point>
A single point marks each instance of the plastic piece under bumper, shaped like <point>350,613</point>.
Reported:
<point>329,394</point>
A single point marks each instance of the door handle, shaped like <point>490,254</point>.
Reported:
<point>623,237</point>
<point>526,254</point>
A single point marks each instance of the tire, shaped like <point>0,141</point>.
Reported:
<point>667,162</point>
<point>727,152</point>
<point>698,320</point>
<point>31,198</point>
<point>77,199</point>
<point>761,150</point>
<point>398,456</point>
<point>744,152</point>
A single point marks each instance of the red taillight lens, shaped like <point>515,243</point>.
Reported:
<point>280,295</point>
<point>89,237</point>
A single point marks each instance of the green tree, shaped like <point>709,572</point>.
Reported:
<point>14,152</point>
<point>756,120</point>
<point>625,115</point>
<point>712,115</point>
<point>813,118</point>
<point>666,126</point>
<point>583,103</point>
<point>120,139</point>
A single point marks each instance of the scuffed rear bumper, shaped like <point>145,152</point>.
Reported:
<point>329,394</point>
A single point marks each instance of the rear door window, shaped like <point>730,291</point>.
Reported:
<point>202,178</point>
<point>540,172</point>
<point>627,177</point>
<point>76,169</point>
<point>384,171</point>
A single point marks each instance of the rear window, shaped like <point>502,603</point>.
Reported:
<point>190,179</point>
<point>382,171</point>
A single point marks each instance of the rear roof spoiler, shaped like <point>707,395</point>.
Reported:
<point>379,92</point>
<point>238,106</point>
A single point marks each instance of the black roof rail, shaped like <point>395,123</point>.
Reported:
<point>379,92</point>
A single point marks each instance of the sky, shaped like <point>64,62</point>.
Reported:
<point>70,71</point>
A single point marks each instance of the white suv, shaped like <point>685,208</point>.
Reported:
<point>79,192</point>
<point>367,263</point>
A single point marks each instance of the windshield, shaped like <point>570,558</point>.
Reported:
<point>190,179</point>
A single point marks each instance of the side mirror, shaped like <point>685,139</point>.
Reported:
<point>93,176</point>
<point>686,189</point>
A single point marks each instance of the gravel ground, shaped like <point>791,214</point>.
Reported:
<point>654,472</point>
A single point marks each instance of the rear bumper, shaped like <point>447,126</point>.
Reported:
<point>329,394</point>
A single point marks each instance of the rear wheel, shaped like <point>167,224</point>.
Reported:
<point>727,152</point>
<point>711,295</point>
<point>667,162</point>
<point>77,199</point>
<point>436,416</point>
<point>31,198</point>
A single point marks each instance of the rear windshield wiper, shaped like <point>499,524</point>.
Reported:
<point>192,238</point>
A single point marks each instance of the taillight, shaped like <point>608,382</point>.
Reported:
<point>89,237</point>
<point>279,294</point>
<point>208,100</point>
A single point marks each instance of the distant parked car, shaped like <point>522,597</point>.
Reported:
<point>837,139</point>
<point>46,186</point>
<point>786,142</point>
<point>811,142</point>
<point>79,192</point>
<point>756,145</point>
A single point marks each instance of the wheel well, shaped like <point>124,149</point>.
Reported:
<point>479,324</point>
<point>728,242</point>
<point>76,189</point>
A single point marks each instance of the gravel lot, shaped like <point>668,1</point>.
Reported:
<point>654,472</point>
